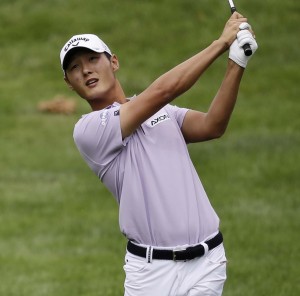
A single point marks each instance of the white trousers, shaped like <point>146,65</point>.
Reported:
<point>204,276</point>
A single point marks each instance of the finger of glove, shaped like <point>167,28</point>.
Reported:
<point>244,26</point>
<point>244,37</point>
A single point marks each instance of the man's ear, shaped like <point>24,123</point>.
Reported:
<point>114,63</point>
<point>68,82</point>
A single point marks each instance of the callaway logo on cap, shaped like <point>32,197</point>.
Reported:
<point>89,41</point>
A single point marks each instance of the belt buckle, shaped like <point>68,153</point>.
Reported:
<point>176,251</point>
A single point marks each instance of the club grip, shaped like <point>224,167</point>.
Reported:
<point>247,49</point>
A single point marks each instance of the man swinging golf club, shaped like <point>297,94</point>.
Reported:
<point>138,148</point>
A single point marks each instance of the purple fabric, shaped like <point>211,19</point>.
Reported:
<point>162,201</point>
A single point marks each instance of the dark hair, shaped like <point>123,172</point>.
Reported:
<point>107,55</point>
<point>73,51</point>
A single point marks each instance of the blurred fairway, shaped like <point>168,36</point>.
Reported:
<point>59,230</point>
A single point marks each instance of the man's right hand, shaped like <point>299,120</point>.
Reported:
<point>231,28</point>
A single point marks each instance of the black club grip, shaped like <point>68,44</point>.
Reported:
<point>247,49</point>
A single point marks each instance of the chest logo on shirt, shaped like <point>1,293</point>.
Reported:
<point>157,119</point>
<point>103,117</point>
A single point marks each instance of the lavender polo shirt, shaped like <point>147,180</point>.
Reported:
<point>161,199</point>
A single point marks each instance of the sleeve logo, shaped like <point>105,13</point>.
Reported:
<point>157,119</point>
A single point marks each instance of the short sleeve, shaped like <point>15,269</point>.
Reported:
<point>177,113</point>
<point>98,138</point>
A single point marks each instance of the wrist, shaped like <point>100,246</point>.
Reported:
<point>222,43</point>
<point>232,65</point>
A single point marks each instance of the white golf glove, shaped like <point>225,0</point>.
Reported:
<point>236,52</point>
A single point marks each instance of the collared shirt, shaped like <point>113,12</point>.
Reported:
<point>161,199</point>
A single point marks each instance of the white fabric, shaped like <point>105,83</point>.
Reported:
<point>89,41</point>
<point>244,26</point>
<point>201,276</point>
<point>236,52</point>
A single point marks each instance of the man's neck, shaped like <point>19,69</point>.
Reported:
<point>118,97</point>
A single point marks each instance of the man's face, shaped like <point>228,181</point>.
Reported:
<point>91,74</point>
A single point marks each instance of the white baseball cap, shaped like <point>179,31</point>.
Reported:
<point>89,41</point>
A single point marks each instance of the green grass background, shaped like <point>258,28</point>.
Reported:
<point>59,230</point>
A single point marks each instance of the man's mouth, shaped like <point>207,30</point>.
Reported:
<point>91,82</point>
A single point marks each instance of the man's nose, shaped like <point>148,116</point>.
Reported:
<point>86,69</point>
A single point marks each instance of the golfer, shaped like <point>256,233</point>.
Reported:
<point>137,146</point>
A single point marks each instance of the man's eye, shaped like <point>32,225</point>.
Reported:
<point>73,67</point>
<point>93,58</point>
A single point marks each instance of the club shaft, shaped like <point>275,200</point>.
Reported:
<point>232,6</point>
<point>247,49</point>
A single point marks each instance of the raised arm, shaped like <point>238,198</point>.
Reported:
<point>198,126</point>
<point>175,82</point>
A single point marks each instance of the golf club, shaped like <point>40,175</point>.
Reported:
<point>247,49</point>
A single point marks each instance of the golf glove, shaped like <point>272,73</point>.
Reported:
<point>236,52</point>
